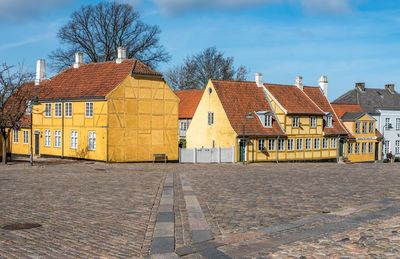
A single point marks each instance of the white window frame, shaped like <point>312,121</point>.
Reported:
<point>324,143</point>
<point>68,110</point>
<point>299,144</point>
<point>387,147</point>
<point>290,144</point>
<point>210,118</point>
<point>388,121</point>
<point>329,121</point>
<point>397,147</point>
<point>296,122</point>
<point>47,109</point>
<point>261,145</point>
<point>58,110</point>
<point>183,126</point>
<point>333,143</point>
<point>92,139</point>
<point>365,127</point>
<point>57,138</point>
<point>313,122</point>
<point>364,148</point>
<point>371,147</point>
<point>350,148</point>
<point>397,123</point>
<point>47,138</point>
<point>317,143</point>
<point>271,144</point>
<point>16,136</point>
<point>358,127</point>
<point>25,136</point>
<point>89,109</point>
<point>74,139</point>
<point>281,144</point>
<point>372,127</point>
<point>268,121</point>
<point>308,144</point>
<point>357,148</point>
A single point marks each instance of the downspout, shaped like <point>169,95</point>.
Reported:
<point>277,150</point>
<point>62,130</point>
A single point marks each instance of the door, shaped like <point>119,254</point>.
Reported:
<point>341,148</point>
<point>242,150</point>
<point>376,151</point>
<point>37,138</point>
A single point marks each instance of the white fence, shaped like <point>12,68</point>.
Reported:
<point>206,155</point>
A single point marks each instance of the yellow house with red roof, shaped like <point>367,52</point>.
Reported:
<point>117,111</point>
<point>267,122</point>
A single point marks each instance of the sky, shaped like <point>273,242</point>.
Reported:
<point>347,40</point>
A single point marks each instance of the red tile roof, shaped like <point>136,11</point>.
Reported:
<point>293,100</point>
<point>341,109</point>
<point>92,80</point>
<point>238,99</point>
<point>190,99</point>
<point>318,97</point>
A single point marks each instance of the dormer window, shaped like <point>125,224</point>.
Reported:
<point>265,118</point>
<point>268,121</point>
<point>328,119</point>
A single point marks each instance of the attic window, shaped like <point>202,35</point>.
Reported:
<point>265,118</point>
<point>328,119</point>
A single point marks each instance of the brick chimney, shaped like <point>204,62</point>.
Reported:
<point>323,84</point>
<point>391,88</point>
<point>259,80</point>
<point>78,59</point>
<point>121,51</point>
<point>40,71</point>
<point>299,82</point>
<point>360,86</point>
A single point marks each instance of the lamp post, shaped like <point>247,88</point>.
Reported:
<point>30,106</point>
<point>244,142</point>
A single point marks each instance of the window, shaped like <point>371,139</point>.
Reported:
<point>324,143</point>
<point>358,127</point>
<point>333,143</point>
<point>296,122</point>
<point>387,147</point>
<point>365,127</point>
<point>397,149</point>
<point>210,118</point>
<point>308,143</point>
<point>397,123</point>
<point>271,144</point>
<point>364,148</point>
<point>290,145</point>
<point>89,110</point>
<point>16,137</point>
<point>388,123</point>
<point>68,109</point>
<point>357,148</point>
<point>47,138</point>
<point>350,148</point>
<point>281,144</point>
<point>371,147</point>
<point>183,125</point>
<point>329,121</point>
<point>371,127</point>
<point>47,110</point>
<point>26,137</point>
<point>57,138</point>
<point>92,140</point>
<point>313,122</point>
<point>268,121</point>
<point>316,143</point>
<point>299,144</point>
<point>58,110</point>
<point>261,145</point>
<point>74,139</point>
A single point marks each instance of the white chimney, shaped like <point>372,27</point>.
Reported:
<point>121,55</point>
<point>259,80</point>
<point>40,71</point>
<point>299,82</point>
<point>323,84</point>
<point>78,59</point>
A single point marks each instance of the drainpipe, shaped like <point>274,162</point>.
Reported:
<point>277,150</point>
<point>62,130</point>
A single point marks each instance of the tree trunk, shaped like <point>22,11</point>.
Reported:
<point>4,155</point>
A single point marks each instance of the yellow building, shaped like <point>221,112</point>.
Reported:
<point>265,122</point>
<point>364,143</point>
<point>119,111</point>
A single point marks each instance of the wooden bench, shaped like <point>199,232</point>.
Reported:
<point>160,157</point>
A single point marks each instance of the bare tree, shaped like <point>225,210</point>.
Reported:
<point>196,70</point>
<point>14,96</point>
<point>98,30</point>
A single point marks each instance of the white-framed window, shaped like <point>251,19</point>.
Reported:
<point>299,144</point>
<point>397,123</point>
<point>47,138</point>
<point>397,148</point>
<point>364,148</point>
<point>74,139</point>
<point>47,110</point>
<point>357,148</point>
<point>324,143</point>
<point>92,140</point>
<point>371,147</point>
<point>333,143</point>
<point>210,118</point>
<point>386,147</point>
<point>57,138</point>
<point>350,148</point>
<point>329,121</point>
<point>58,110</point>
<point>317,143</point>
<point>358,125</point>
<point>261,145</point>
<point>183,125</point>
<point>268,120</point>
<point>68,109</point>
<point>313,122</point>
<point>281,144</point>
<point>271,144</point>
<point>296,122</point>
<point>388,123</point>
<point>290,144</point>
<point>26,136</point>
<point>308,143</point>
<point>365,127</point>
<point>89,110</point>
<point>371,127</point>
<point>16,136</point>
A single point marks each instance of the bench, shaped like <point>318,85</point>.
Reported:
<point>160,157</point>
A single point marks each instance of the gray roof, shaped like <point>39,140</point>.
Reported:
<point>371,99</point>
<point>352,116</point>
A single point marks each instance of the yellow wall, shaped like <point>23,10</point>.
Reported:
<point>20,148</point>
<point>200,134</point>
<point>143,120</point>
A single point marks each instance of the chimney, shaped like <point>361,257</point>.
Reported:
<point>299,82</point>
<point>391,88</point>
<point>259,80</point>
<point>323,84</point>
<point>121,55</point>
<point>360,86</point>
<point>78,59</point>
<point>40,71</point>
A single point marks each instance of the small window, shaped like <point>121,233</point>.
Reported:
<point>296,122</point>
<point>92,140</point>
<point>290,144</point>
<point>333,143</point>
<point>365,127</point>
<point>364,148</point>
<point>16,136</point>
<point>26,137</point>
<point>261,145</point>
<point>47,138</point>
<point>329,121</point>
<point>357,148</point>
<point>388,123</point>
<point>308,143</point>
<point>299,144</point>
<point>317,143</point>
<point>74,139</point>
<point>324,143</point>
<point>358,125</point>
<point>281,144</point>
<point>68,109</point>
<point>371,147</point>
<point>89,110</point>
<point>268,121</point>
<point>210,118</point>
<point>386,147</point>
<point>397,123</point>
<point>183,126</point>
<point>47,110</point>
<point>271,144</point>
<point>58,110</point>
<point>397,149</point>
<point>350,148</point>
<point>57,138</point>
<point>313,122</point>
<point>371,127</point>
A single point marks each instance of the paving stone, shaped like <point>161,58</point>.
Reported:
<point>166,217</point>
<point>162,245</point>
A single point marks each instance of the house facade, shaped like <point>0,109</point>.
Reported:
<point>265,122</point>
<point>117,111</point>
<point>384,106</point>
